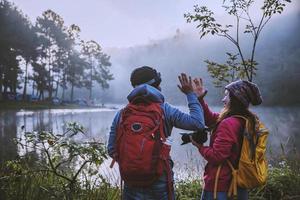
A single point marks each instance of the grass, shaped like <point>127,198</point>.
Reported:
<point>47,186</point>
<point>19,182</point>
<point>283,183</point>
<point>188,189</point>
<point>33,177</point>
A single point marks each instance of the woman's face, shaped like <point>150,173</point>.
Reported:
<point>226,99</point>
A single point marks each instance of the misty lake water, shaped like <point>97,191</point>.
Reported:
<point>283,122</point>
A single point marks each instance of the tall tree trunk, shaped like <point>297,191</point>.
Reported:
<point>40,95</point>
<point>63,87</point>
<point>50,81</point>
<point>49,71</point>
<point>72,92</point>
<point>91,86</point>
<point>32,92</point>
<point>90,96</point>
<point>25,82</point>
<point>5,89</point>
<point>63,94</point>
<point>1,82</point>
<point>37,91</point>
<point>15,87</point>
<point>56,89</point>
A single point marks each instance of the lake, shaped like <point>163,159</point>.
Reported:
<point>283,122</point>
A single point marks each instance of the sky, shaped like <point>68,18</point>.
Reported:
<point>125,23</point>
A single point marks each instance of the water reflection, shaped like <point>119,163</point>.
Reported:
<point>283,124</point>
<point>8,131</point>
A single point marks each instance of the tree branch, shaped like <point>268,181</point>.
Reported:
<point>77,173</point>
<point>240,52</point>
<point>252,24</point>
<point>237,29</point>
<point>264,25</point>
<point>53,170</point>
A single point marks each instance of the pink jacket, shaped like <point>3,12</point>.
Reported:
<point>225,143</point>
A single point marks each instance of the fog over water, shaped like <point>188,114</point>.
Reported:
<point>282,122</point>
<point>154,33</point>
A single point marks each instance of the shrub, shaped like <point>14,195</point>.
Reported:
<point>56,166</point>
<point>188,189</point>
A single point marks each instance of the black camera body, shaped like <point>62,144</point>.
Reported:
<point>199,136</point>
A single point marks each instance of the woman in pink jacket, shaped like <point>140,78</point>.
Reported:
<point>226,137</point>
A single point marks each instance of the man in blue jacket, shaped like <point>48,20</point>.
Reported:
<point>146,82</point>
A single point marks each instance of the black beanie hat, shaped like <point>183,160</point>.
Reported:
<point>145,75</point>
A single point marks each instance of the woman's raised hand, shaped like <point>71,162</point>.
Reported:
<point>186,84</point>
<point>198,87</point>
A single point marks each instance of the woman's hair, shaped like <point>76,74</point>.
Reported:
<point>236,107</point>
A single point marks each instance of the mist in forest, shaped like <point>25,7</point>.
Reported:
<point>278,53</point>
<point>138,33</point>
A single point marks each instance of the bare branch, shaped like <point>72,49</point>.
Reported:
<point>259,31</point>
<point>80,169</point>
<point>237,29</point>
<point>252,24</point>
<point>53,170</point>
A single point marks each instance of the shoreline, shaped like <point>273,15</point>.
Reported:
<point>21,105</point>
<point>43,105</point>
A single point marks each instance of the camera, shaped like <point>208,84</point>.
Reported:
<point>199,136</point>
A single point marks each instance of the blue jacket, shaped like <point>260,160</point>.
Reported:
<point>173,117</point>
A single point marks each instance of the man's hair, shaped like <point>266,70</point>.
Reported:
<point>145,75</point>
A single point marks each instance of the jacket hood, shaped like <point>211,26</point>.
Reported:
<point>146,91</point>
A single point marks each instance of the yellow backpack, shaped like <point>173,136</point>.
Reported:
<point>252,168</point>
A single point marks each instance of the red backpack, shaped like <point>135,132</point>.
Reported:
<point>140,150</point>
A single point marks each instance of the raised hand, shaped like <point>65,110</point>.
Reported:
<point>198,87</point>
<point>186,85</point>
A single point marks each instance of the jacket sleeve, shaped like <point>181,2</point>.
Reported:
<point>192,121</point>
<point>209,116</point>
<point>226,137</point>
<point>113,134</point>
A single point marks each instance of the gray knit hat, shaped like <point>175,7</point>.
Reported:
<point>245,91</point>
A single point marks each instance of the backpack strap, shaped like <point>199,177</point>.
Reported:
<point>114,159</point>
<point>166,160</point>
<point>251,136</point>
<point>216,181</point>
<point>233,185</point>
<point>122,188</point>
<point>169,180</point>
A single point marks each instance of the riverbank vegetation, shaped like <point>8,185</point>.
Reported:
<point>57,166</point>
<point>17,105</point>
<point>70,166</point>
<point>41,105</point>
